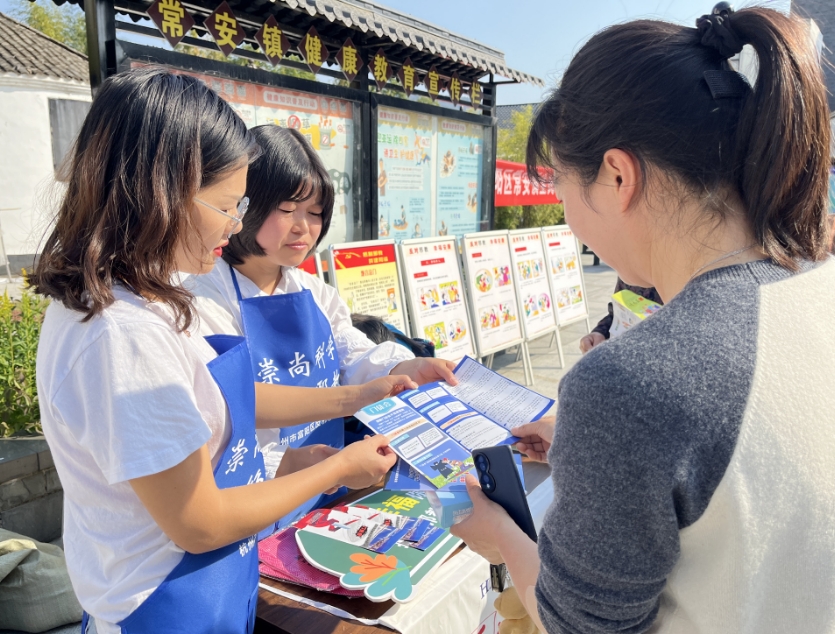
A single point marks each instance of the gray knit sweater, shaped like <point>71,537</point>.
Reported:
<point>683,500</point>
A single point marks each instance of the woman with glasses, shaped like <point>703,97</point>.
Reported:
<point>152,428</point>
<point>299,329</point>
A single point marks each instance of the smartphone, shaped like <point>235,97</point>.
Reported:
<point>500,482</point>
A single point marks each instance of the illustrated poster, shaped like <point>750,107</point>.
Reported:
<point>327,123</point>
<point>532,287</point>
<point>433,283</point>
<point>460,147</point>
<point>563,259</point>
<point>490,279</point>
<point>404,174</point>
<point>365,276</point>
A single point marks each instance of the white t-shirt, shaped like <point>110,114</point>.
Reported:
<point>360,359</point>
<point>122,396</point>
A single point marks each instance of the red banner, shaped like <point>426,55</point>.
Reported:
<point>513,187</point>
<point>352,258</point>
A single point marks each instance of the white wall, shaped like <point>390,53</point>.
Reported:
<point>26,171</point>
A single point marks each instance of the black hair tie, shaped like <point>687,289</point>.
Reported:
<point>716,31</point>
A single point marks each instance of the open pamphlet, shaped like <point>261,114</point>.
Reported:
<point>404,477</point>
<point>435,427</point>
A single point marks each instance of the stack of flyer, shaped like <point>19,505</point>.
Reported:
<point>629,309</point>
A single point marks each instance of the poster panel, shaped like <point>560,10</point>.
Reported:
<point>492,292</point>
<point>365,275</point>
<point>435,291</point>
<point>459,162</point>
<point>404,174</point>
<point>327,123</point>
<point>532,288</point>
<point>563,261</point>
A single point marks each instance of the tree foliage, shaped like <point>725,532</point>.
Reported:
<point>511,145</point>
<point>65,23</point>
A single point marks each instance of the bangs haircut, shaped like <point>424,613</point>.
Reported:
<point>288,170</point>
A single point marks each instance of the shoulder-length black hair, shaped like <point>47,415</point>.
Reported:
<point>641,87</point>
<point>287,170</point>
<point>151,140</point>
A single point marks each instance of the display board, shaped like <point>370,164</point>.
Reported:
<point>327,123</point>
<point>566,274</point>
<point>365,274</point>
<point>491,290</point>
<point>459,168</point>
<point>428,175</point>
<point>532,287</point>
<point>404,174</point>
<point>434,290</point>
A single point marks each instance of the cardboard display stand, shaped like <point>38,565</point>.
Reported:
<point>434,290</point>
<point>568,289</point>
<point>533,290</point>
<point>365,274</point>
<point>312,265</point>
<point>492,294</point>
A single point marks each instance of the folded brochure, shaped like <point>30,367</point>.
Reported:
<point>404,477</point>
<point>436,427</point>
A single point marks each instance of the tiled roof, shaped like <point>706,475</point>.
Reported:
<point>26,51</point>
<point>405,29</point>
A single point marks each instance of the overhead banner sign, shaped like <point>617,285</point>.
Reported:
<point>532,287</point>
<point>513,187</point>
<point>492,294</point>
<point>563,257</point>
<point>434,288</point>
<point>366,277</point>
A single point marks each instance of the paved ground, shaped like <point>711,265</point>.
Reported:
<point>600,282</point>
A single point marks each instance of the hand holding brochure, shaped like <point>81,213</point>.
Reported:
<point>435,427</point>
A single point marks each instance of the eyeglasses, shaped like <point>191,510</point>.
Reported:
<point>236,217</point>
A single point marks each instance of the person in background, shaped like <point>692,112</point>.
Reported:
<point>600,332</point>
<point>693,456</point>
<point>152,427</point>
<point>298,328</point>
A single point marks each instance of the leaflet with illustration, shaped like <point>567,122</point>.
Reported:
<point>435,427</point>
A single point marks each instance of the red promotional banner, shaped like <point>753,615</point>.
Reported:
<point>358,257</point>
<point>513,187</point>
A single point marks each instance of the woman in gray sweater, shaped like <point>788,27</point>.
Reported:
<point>693,457</point>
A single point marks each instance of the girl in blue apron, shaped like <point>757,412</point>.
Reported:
<point>152,427</point>
<point>298,328</point>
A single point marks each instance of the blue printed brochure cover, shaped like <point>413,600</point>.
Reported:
<point>435,427</point>
<point>404,477</point>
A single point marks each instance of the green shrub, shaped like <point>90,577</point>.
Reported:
<point>20,327</point>
<point>528,216</point>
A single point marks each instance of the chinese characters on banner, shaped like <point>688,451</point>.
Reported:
<point>490,280</point>
<point>513,187</point>
<point>366,278</point>
<point>563,262</point>
<point>434,286</point>
<point>459,168</point>
<point>225,29</point>
<point>349,60</point>
<point>404,173</point>
<point>408,76</point>
<point>327,123</point>
<point>171,18</point>
<point>532,288</point>
<point>380,68</point>
<point>313,50</point>
<point>273,41</point>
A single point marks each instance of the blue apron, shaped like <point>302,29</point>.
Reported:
<point>291,343</point>
<point>217,591</point>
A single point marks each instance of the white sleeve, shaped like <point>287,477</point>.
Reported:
<point>361,360</point>
<point>130,401</point>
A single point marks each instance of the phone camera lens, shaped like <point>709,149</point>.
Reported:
<point>487,482</point>
<point>482,463</point>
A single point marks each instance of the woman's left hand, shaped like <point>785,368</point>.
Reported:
<point>488,526</point>
<point>426,370</point>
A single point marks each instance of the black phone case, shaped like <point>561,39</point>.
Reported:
<point>508,492</point>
